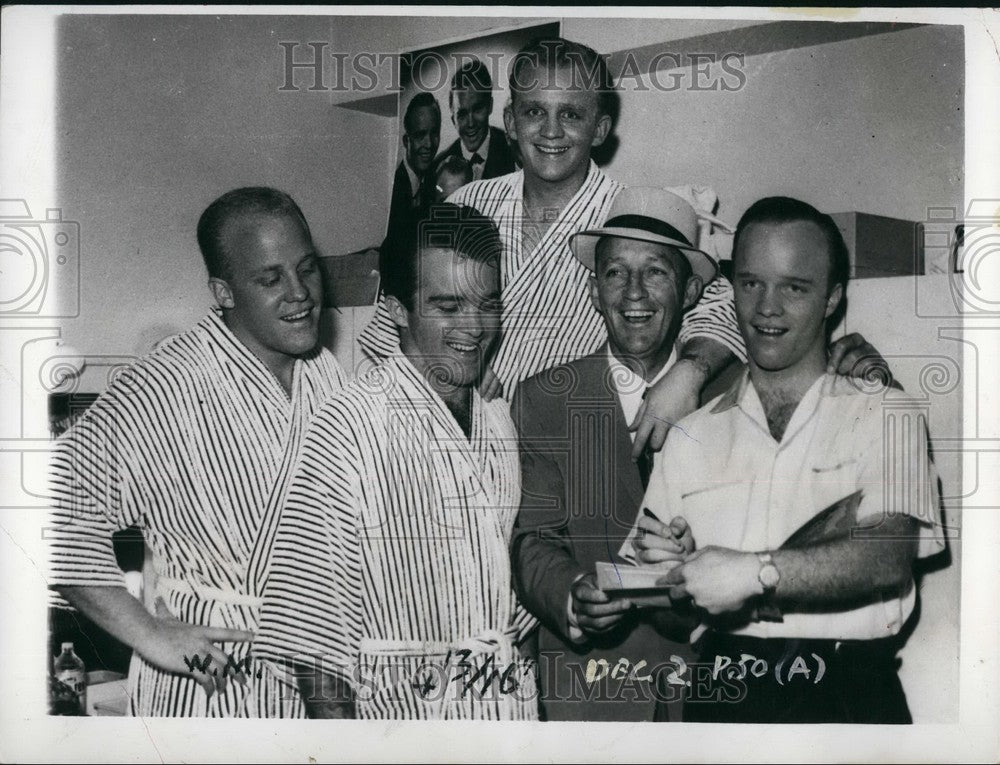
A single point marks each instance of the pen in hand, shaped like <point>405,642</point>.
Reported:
<point>673,532</point>
<point>677,528</point>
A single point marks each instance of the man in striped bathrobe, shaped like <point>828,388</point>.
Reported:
<point>390,590</point>
<point>187,444</point>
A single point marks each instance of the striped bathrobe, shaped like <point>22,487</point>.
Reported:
<point>390,565</point>
<point>548,318</point>
<point>187,444</point>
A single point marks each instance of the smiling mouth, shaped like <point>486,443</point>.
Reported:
<point>637,317</point>
<point>297,317</point>
<point>467,348</point>
<point>552,151</point>
<point>770,331</point>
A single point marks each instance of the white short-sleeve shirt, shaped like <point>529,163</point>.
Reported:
<point>737,487</point>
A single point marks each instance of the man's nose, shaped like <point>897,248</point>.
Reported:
<point>471,330</point>
<point>297,290</point>
<point>481,321</point>
<point>634,287</point>
<point>552,127</point>
<point>769,302</point>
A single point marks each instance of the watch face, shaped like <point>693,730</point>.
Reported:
<point>769,576</point>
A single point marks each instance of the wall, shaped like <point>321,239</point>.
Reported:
<point>902,317</point>
<point>872,124</point>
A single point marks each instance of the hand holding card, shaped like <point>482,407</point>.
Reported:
<point>636,583</point>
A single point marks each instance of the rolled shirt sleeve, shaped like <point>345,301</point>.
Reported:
<point>714,317</point>
<point>896,471</point>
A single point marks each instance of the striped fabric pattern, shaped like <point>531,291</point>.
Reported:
<point>392,550</point>
<point>548,318</point>
<point>186,444</point>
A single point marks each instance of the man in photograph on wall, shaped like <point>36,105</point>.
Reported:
<point>799,622</point>
<point>483,146</point>
<point>188,445</point>
<point>412,185</point>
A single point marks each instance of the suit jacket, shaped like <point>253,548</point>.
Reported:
<point>401,205</point>
<point>579,498</point>
<point>499,161</point>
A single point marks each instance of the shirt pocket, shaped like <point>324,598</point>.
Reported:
<point>831,482</point>
<point>718,513</point>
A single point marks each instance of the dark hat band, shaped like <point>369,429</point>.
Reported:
<point>648,224</point>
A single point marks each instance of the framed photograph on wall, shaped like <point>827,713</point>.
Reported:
<point>474,122</point>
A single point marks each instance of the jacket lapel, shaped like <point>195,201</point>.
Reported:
<point>629,482</point>
<point>596,384</point>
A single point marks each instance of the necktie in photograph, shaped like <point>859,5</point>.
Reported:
<point>478,166</point>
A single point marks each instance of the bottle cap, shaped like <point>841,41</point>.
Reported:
<point>67,647</point>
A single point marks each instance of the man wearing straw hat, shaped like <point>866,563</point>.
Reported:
<point>581,491</point>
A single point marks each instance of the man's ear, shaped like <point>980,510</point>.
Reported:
<point>603,128</point>
<point>594,295</point>
<point>508,120</point>
<point>221,292</point>
<point>406,142</point>
<point>397,311</point>
<point>834,300</point>
<point>692,291</point>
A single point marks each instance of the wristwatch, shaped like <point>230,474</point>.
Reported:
<point>768,576</point>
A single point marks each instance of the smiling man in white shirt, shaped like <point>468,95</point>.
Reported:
<point>804,627</point>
